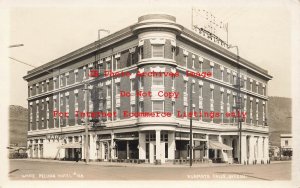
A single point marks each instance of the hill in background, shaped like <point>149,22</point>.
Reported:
<point>18,125</point>
<point>279,118</point>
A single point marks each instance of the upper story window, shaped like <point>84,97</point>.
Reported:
<point>173,52</point>
<point>108,65</point>
<point>132,85</point>
<point>117,88</point>
<point>200,90</point>
<point>61,80</point>
<point>141,82</point>
<point>37,89</point>
<point>30,92</point>
<point>43,86</point>
<point>185,86</point>
<point>108,91</point>
<point>118,65</point>
<point>141,52</point>
<point>157,50</point>
<point>158,80</point>
<point>158,106</point>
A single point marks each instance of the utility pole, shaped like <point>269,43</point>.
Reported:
<point>239,98</point>
<point>86,143</point>
<point>191,125</point>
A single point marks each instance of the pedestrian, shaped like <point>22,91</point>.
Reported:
<point>76,156</point>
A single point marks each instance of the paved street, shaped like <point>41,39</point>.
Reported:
<point>53,170</point>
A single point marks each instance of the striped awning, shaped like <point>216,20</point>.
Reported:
<point>218,145</point>
<point>70,145</point>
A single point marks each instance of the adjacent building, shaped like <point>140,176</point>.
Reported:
<point>155,44</point>
<point>286,145</point>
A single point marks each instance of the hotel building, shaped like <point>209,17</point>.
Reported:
<point>156,43</point>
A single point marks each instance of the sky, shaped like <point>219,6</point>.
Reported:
<point>263,32</point>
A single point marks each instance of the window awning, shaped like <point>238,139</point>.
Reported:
<point>132,138</point>
<point>218,145</point>
<point>70,145</point>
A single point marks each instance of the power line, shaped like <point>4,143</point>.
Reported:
<point>22,62</point>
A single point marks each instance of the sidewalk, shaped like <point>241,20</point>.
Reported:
<point>116,164</point>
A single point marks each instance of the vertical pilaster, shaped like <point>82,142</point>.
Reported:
<point>244,149</point>
<point>260,150</point>
<point>142,146</point>
<point>112,145</point>
<point>93,151</point>
<point>171,145</point>
<point>127,149</point>
<point>158,153</point>
<point>207,144</point>
<point>83,147</point>
<point>266,149</point>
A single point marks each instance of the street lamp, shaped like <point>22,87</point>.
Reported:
<point>238,107</point>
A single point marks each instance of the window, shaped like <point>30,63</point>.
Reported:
<point>108,66</point>
<point>61,80</point>
<point>132,85</point>
<point>141,82</point>
<point>256,87</point>
<point>251,86</point>
<point>141,106</point>
<point>193,63</point>
<point>173,53</point>
<point>47,85</point>
<point>263,91</point>
<point>67,78</point>
<point>222,75</point>
<point>43,86</point>
<point>173,108</point>
<point>118,113</point>
<point>118,89</point>
<point>200,91</point>
<point>286,142</point>
<point>157,50</point>
<point>37,89</point>
<point>76,101</point>
<point>164,137</point>
<point>251,111</point>
<point>132,108</point>
<point>141,53</point>
<point>212,70</point>
<point>67,103</point>
<point>37,112</point>
<point>173,81</point>
<point>101,69</point>
<point>193,87</point>
<point>234,80</point>
<point>131,58</point>
<point>118,65</point>
<point>150,137</point>
<point>222,117</point>
<point>158,106</point>
<point>228,76</point>
<point>61,101</point>
<point>76,76</point>
<point>108,91</point>
<point>158,80</point>
<point>166,150</point>
<point>201,66</point>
